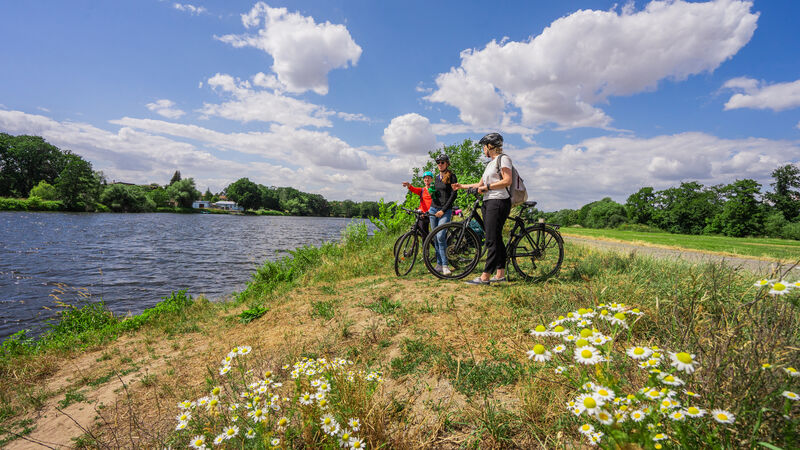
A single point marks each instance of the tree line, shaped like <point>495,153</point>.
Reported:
<point>54,179</point>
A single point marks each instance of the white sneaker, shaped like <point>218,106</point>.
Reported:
<point>446,270</point>
<point>438,268</point>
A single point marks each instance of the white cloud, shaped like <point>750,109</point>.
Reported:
<point>617,167</point>
<point>759,95</point>
<point>165,108</point>
<point>410,134</point>
<point>303,51</point>
<point>191,9</point>
<point>580,60</point>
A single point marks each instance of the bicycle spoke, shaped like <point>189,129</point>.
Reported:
<point>537,253</point>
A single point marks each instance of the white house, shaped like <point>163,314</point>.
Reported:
<point>201,204</point>
<point>227,205</point>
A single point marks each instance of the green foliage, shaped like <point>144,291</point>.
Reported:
<point>27,160</point>
<point>245,193</point>
<point>641,206</point>
<point>175,177</point>
<point>44,191</point>
<point>741,213</point>
<point>30,204</point>
<point>174,307</point>
<point>183,192</point>
<point>324,309</point>
<point>605,213</point>
<point>391,219</point>
<point>685,209</point>
<point>786,194</point>
<point>159,197</point>
<point>126,198</point>
<point>252,314</point>
<point>77,185</point>
<point>791,231</point>
<point>465,162</point>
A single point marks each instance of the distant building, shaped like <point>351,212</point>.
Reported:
<point>201,204</point>
<point>227,205</point>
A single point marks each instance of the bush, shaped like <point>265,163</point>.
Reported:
<point>791,231</point>
<point>774,223</point>
<point>44,191</point>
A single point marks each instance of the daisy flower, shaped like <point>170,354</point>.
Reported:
<point>637,416</point>
<point>560,369</point>
<point>356,443</point>
<point>639,352</point>
<point>694,411</point>
<point>581,342</point>
<point>584,323</point>
<point>344,439</point>
<point>354,424</point>
<point>327,420</point>
<point>198,442</point>
<point>245,349</point>
<point>790,395</point>
<point>275,442</point>
<point>324,386</point>
<point>792,372</point>
<point>600,340</point>
<point>587,355</point>
<point>586,429</point>
<point>691,394</point>
<point>539,354</point>
<point>653,394</point>
<point>650,363</point>
<point>670,380</point>
<point>779,288</point>
<point>306,399</point>
<point>219,439</point>
<point>677,416</point>
<point>586,333</point>
<point>589,403</point>
<point>604,393</point>
<point>595,438</point>
<point>257,415</point>
<point>559,348</point>
<point>570,337</point>
<point>761,283</point>
<point>660,437</point>
<point>181,426</point>
<point>186,404</point>
<point>588,386</point>
<point>250,434</point>
<point>618,319</point>
<point>683,361</point>
<point>282,423</point>
<point>722,416</point>
<point>184,417</point>
<point>766,366</point>
<point>604,417</point>
<point>635,312</point>
<point>231,432</point>
<point>540,330</point>
<point>559,331</point>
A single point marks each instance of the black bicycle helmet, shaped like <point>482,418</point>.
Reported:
<point>442,157</point>
<point>493,139</point>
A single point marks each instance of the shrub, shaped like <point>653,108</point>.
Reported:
<point>791,231</point>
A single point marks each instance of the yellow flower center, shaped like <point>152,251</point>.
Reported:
<point>779,286</point>
<point>603,392</point>
<point>538,349</point>
<point>684,357</point>
<point>589,403</point>
<point>231,431</point>
<point>345,436</point>
<point>604,312</point>
<point>586,332</point>
<point>636,310</point>
<point>327,421</point>
<point>586,354</point>
<point>638,351</point>
<point>560,317</point>
<point>693,410</point>
<point>540,328</point>
<point>581,343</point>
<point>722,416</point>
<point>582,311</point>
<point>267,374</point>
<point>559,329</point>
<point>669,378</point>
<point>619,316</point>
<point>586,427</point>
<point>570,315</point>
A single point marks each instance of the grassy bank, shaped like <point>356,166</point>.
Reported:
<point>434,364</point>
<point>780,249</point>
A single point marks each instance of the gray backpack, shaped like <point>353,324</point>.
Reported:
<point>516,191</point>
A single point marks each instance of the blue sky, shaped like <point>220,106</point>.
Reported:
<point>344,97</point>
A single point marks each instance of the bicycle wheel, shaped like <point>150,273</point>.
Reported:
<point>405,255</point>
<point>463,250</point>
<point>537,253</point>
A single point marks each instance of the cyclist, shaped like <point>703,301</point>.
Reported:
<point>424,199</point>
<point>496,207</point>
<point>442,208</point>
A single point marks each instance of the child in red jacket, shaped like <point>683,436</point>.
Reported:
<point>425,198</point>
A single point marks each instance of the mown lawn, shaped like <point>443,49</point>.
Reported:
<point>781,249</point>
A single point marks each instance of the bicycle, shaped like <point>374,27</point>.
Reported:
<point>407,245</point>
<point>536,250</point>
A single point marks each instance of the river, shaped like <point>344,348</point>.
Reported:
<point>131,261</point>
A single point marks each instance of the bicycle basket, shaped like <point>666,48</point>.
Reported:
<point>476,227</point>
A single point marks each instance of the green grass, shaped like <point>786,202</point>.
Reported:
<point>782,249</point>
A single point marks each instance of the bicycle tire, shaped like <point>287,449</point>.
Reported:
<point>405,255</point>
<point>537,253</point>
<point>463,250</point>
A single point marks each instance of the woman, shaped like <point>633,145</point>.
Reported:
<point>425,198</point>
<point>442,208</point>
<point>496,207</point>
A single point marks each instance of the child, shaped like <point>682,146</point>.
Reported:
<point>425,197</point>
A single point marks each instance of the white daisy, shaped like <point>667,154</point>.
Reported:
<point>219,439</point>
<point>231,432</point>
<point>356,443</point>
<point>683,361</point>
<point>198,442</point>
<point>762,282</point>
<point>670,380</point>
<point>558,330</point>
<point>354,424</point>
<point>275,442</point>
<point>790,395</point>
<point>779,288</point>
<point>224,369</point>
<point>539,353</point>
<point>587,355</point>
<point>604,417</point>
<point>604,393</point>
<point>637,416</point>
<point>559,348</point>
<point>589,403</point>
<point>791,371</point>
<point>540,330</point>
<point>722,416</point>
<point>306,399</point>
<point>586,429</point>
<point>250,434</point>
<point>694,411</point>
<point>677,416</point>
<point>639,352</point>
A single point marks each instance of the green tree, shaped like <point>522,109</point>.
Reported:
<point>685,209</point>
<point>44,191</point>
<point>175,177</point>
<point>640,206</point>
<point>605,213</point>
<point>741,213</point>
<point>465,162</point>
<point>183,192</point>
<point>126,198</point>
<point>785,196</point>
<point>208,195</point>
<point>245,193</point>
<point>269,198</point>
<point>78,186</point>
<point>159,197</point>
<point>27,160</point>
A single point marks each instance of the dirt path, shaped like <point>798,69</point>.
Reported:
<point>760,267</point>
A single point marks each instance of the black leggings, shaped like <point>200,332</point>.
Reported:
<point>495,213</point>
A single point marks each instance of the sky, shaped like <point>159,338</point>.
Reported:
<point>344,97</point>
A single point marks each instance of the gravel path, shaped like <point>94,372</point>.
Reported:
<point>760,267</point>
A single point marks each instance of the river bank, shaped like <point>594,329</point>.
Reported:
<point>452,357</point>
